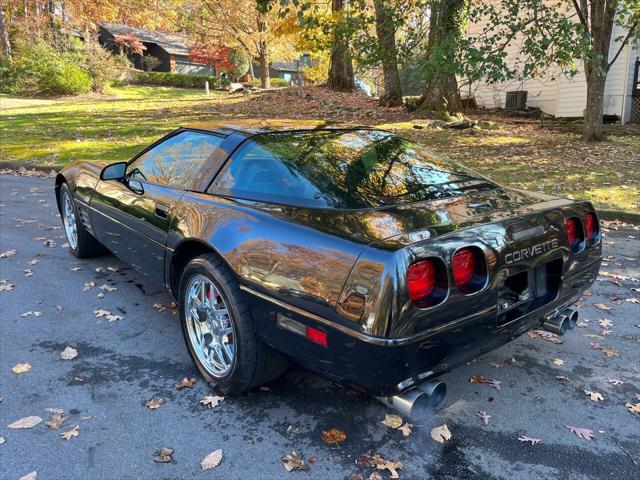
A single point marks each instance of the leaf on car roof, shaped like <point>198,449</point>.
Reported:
<point>583,433</point>
<point>441,434</point>
<point>212,460</point>
<point>186,383</point>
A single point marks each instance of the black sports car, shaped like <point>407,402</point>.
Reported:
<point>359,254</point>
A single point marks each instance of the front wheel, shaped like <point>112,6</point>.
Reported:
<point>81,242</point>
<point>219,330</point>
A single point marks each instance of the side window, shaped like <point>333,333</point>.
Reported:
<point>177,161</point>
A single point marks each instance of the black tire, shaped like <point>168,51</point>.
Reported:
<point>86,245</point>
<point>254,362</point>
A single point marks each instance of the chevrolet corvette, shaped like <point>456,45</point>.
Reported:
<point>352,251</point>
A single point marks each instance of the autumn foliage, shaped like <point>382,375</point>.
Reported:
<point>215,56</point>
<point>129,43</point>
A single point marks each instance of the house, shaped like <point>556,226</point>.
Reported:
<point>172,50</point>
<point>289,71</point>
<point>562,96</point>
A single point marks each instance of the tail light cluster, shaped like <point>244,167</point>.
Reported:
<point>427,280</point>
<point>577,236</point>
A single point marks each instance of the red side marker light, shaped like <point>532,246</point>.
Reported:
<point>317,336</point>
<point>421,280</point>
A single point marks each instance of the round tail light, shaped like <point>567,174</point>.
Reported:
<point>469,270</point>
<point>427,282</point>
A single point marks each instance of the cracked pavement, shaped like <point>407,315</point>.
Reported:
<point>123,364</point>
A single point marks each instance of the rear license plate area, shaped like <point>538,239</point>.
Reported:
<point>528,290</point>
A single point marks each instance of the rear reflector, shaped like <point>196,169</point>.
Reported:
<point>421,280</point>
<point>317,336</point>
<point>469,270</point>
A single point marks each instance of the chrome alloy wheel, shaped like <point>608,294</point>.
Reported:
<point>69,219</point>
<point>210,326</point>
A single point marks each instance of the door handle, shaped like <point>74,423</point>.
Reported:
<point>162,210</point>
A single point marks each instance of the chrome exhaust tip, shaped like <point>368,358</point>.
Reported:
<point>426,396</point>
<point>572,317</point>
<point>558,324</point>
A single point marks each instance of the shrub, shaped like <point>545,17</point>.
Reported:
<point>102,66</point>
<point>179,80</point>
<point>280,82</point>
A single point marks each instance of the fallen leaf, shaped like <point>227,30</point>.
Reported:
<point>154,403</point>
<point>28,272</point>
<point>5,286</point>
<point>633,408</point>
<point>441,433</point>
<point>583,433</point>
<point>605,322</point>
<point>494,383</point>
<point>312,459</point>
<point>159,307</point>
<point>496,365</point>
<point>21,368</point>
<point>74,432</point>
<point>558,361</point>
<point>544,335</point>
<point>212,460</point>
<point>8,253</point>
<point>113,318</point>
<point>484,416</point>
<point>26,422</point>
<point>88,286</point>
<point>101,313</point>
<point>615,381</point>
<point>533,441</point>
<point>602,306</point>
<point>30,313</point>
<point>406,429</point>
<point>68,353</point>
<point>382,464</point>
<point>609,352</point>
<point>186,383</point>
<point>595,396</point>
<point>478,379</point>
<point>333,436</point>
<point>211,401</point>
<point>57,419</point>
<point>562,377</point>
<point>108,288</point>
<point>632,300</point>
<point>293,461</point>
<point>2,440</point>
<point>30,476</point>
<point>163,456</point>
<point>392,421</point>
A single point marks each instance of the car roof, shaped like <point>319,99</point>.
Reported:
<point>261,125</point>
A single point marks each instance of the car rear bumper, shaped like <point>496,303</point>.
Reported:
<point>387,366</point>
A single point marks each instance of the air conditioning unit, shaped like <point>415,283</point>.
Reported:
<point>516,100</point>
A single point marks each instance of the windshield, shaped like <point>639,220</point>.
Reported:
<point>341,169</point>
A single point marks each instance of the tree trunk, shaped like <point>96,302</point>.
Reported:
<point>4,37</point>
<point>341,66</point>
<point>263,52</point>
<point>596,67</point>
<point>445,30</point>
<point>385,31</point>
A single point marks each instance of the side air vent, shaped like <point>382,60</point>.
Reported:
<point>84,218</point>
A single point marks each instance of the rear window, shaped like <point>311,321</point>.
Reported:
<point>340,169</point>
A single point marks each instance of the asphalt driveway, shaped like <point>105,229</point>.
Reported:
<point>124,363</point>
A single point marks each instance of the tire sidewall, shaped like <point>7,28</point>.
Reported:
<point>242,356</point>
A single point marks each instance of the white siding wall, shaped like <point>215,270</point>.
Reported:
<point>555,93</point>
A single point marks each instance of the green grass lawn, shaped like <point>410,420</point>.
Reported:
<point>114,126</point>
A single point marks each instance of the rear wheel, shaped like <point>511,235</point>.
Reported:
<point>81,242</point>
<point>219,330</point>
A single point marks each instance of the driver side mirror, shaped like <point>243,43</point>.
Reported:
<point>115,171</point>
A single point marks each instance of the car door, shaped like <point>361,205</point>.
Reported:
<point>132,216</point>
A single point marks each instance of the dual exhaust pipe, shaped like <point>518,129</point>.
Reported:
<point>421,398</point>
<point>560,323</point>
